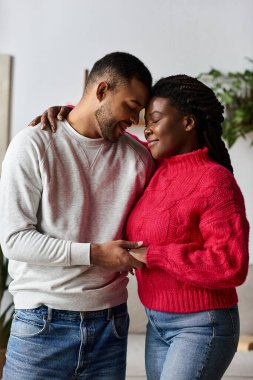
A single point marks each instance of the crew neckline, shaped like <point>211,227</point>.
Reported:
<point>82,139</point>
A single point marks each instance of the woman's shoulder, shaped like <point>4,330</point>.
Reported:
<point>221,186</point>
<point>218,175</point>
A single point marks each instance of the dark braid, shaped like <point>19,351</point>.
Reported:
<point>190,96</point>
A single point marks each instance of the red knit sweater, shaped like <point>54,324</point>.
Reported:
<point>192,219</point>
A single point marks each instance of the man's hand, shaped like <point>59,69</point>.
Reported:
<point>49,117</point>
<point>139,254</point>
<point>114,255</point>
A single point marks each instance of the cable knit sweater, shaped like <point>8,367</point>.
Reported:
<point>192,219</point>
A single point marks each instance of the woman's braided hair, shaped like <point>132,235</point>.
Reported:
<point>190,96</point>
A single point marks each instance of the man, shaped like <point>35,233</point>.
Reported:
<point>64,200</point>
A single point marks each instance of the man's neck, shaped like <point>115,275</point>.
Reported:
<point>83,121</point>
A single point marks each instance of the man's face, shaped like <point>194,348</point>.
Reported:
<point>120,109</point>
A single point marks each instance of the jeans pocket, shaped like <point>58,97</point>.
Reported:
<point>120,325</point>
<point>235,319</point>
<point>226,324</point>
<point>25,325</point>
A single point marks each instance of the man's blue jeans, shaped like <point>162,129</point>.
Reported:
<point>48,344</point>
<point>194,346</point>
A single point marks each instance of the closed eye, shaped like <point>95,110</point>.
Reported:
<point>132,109</point>
<point>150,122</point>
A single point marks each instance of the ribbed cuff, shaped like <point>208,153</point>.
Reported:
<point>79,254</point>
<point>154,258</point>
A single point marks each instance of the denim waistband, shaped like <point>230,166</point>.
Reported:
<point>76,315</point>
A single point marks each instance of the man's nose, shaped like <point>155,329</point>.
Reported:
<point>135,118</point>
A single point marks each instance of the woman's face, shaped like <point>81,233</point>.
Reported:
<point>167,132</point>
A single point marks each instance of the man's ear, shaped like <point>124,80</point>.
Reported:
<point>102,90</point>
<point>189,122</point>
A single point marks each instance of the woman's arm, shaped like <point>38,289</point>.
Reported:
<point>221,261</point>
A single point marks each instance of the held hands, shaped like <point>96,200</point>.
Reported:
<point>115,255</point>
<point>49,117</point>
<point>139,254</point>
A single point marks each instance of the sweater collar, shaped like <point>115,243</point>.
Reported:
<point>83,139</point>
<point>186,161</point>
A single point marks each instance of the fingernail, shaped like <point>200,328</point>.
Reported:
<point>140,243</point>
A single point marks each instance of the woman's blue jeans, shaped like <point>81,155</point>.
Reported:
<point>195,346</point>
<point>48,344</point>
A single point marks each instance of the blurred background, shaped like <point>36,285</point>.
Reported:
<point>52,42</point>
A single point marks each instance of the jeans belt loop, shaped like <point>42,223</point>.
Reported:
<point>49,315</point>
<point>109,314</point>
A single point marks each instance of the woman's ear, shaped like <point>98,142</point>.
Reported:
<point>190,122</point>
<point>102,90</point>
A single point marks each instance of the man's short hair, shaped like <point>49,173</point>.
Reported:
<point>120,67</point>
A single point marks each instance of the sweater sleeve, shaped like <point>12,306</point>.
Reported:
<point>20,195</point>
<point>144,143</point>
<point>221,259</point>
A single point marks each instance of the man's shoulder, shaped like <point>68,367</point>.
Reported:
<point>136,151</point>
<point>30,143</point>
<point>33,135</point>
<point>137,146</point>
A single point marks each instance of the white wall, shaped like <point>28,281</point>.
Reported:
<point>52,41</point>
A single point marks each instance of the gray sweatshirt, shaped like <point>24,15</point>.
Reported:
<point>59,193</point>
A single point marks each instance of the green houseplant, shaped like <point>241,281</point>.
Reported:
<point>235,91</point>
<point>5,315</point>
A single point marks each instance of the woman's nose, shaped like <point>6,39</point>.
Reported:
<point>147,132</point>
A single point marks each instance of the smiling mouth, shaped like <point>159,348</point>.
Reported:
<point>122,126</point>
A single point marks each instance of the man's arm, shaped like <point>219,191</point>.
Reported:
<point>50,117</point>
<point>20,194</point>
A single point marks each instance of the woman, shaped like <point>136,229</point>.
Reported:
<point>191,219</point>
